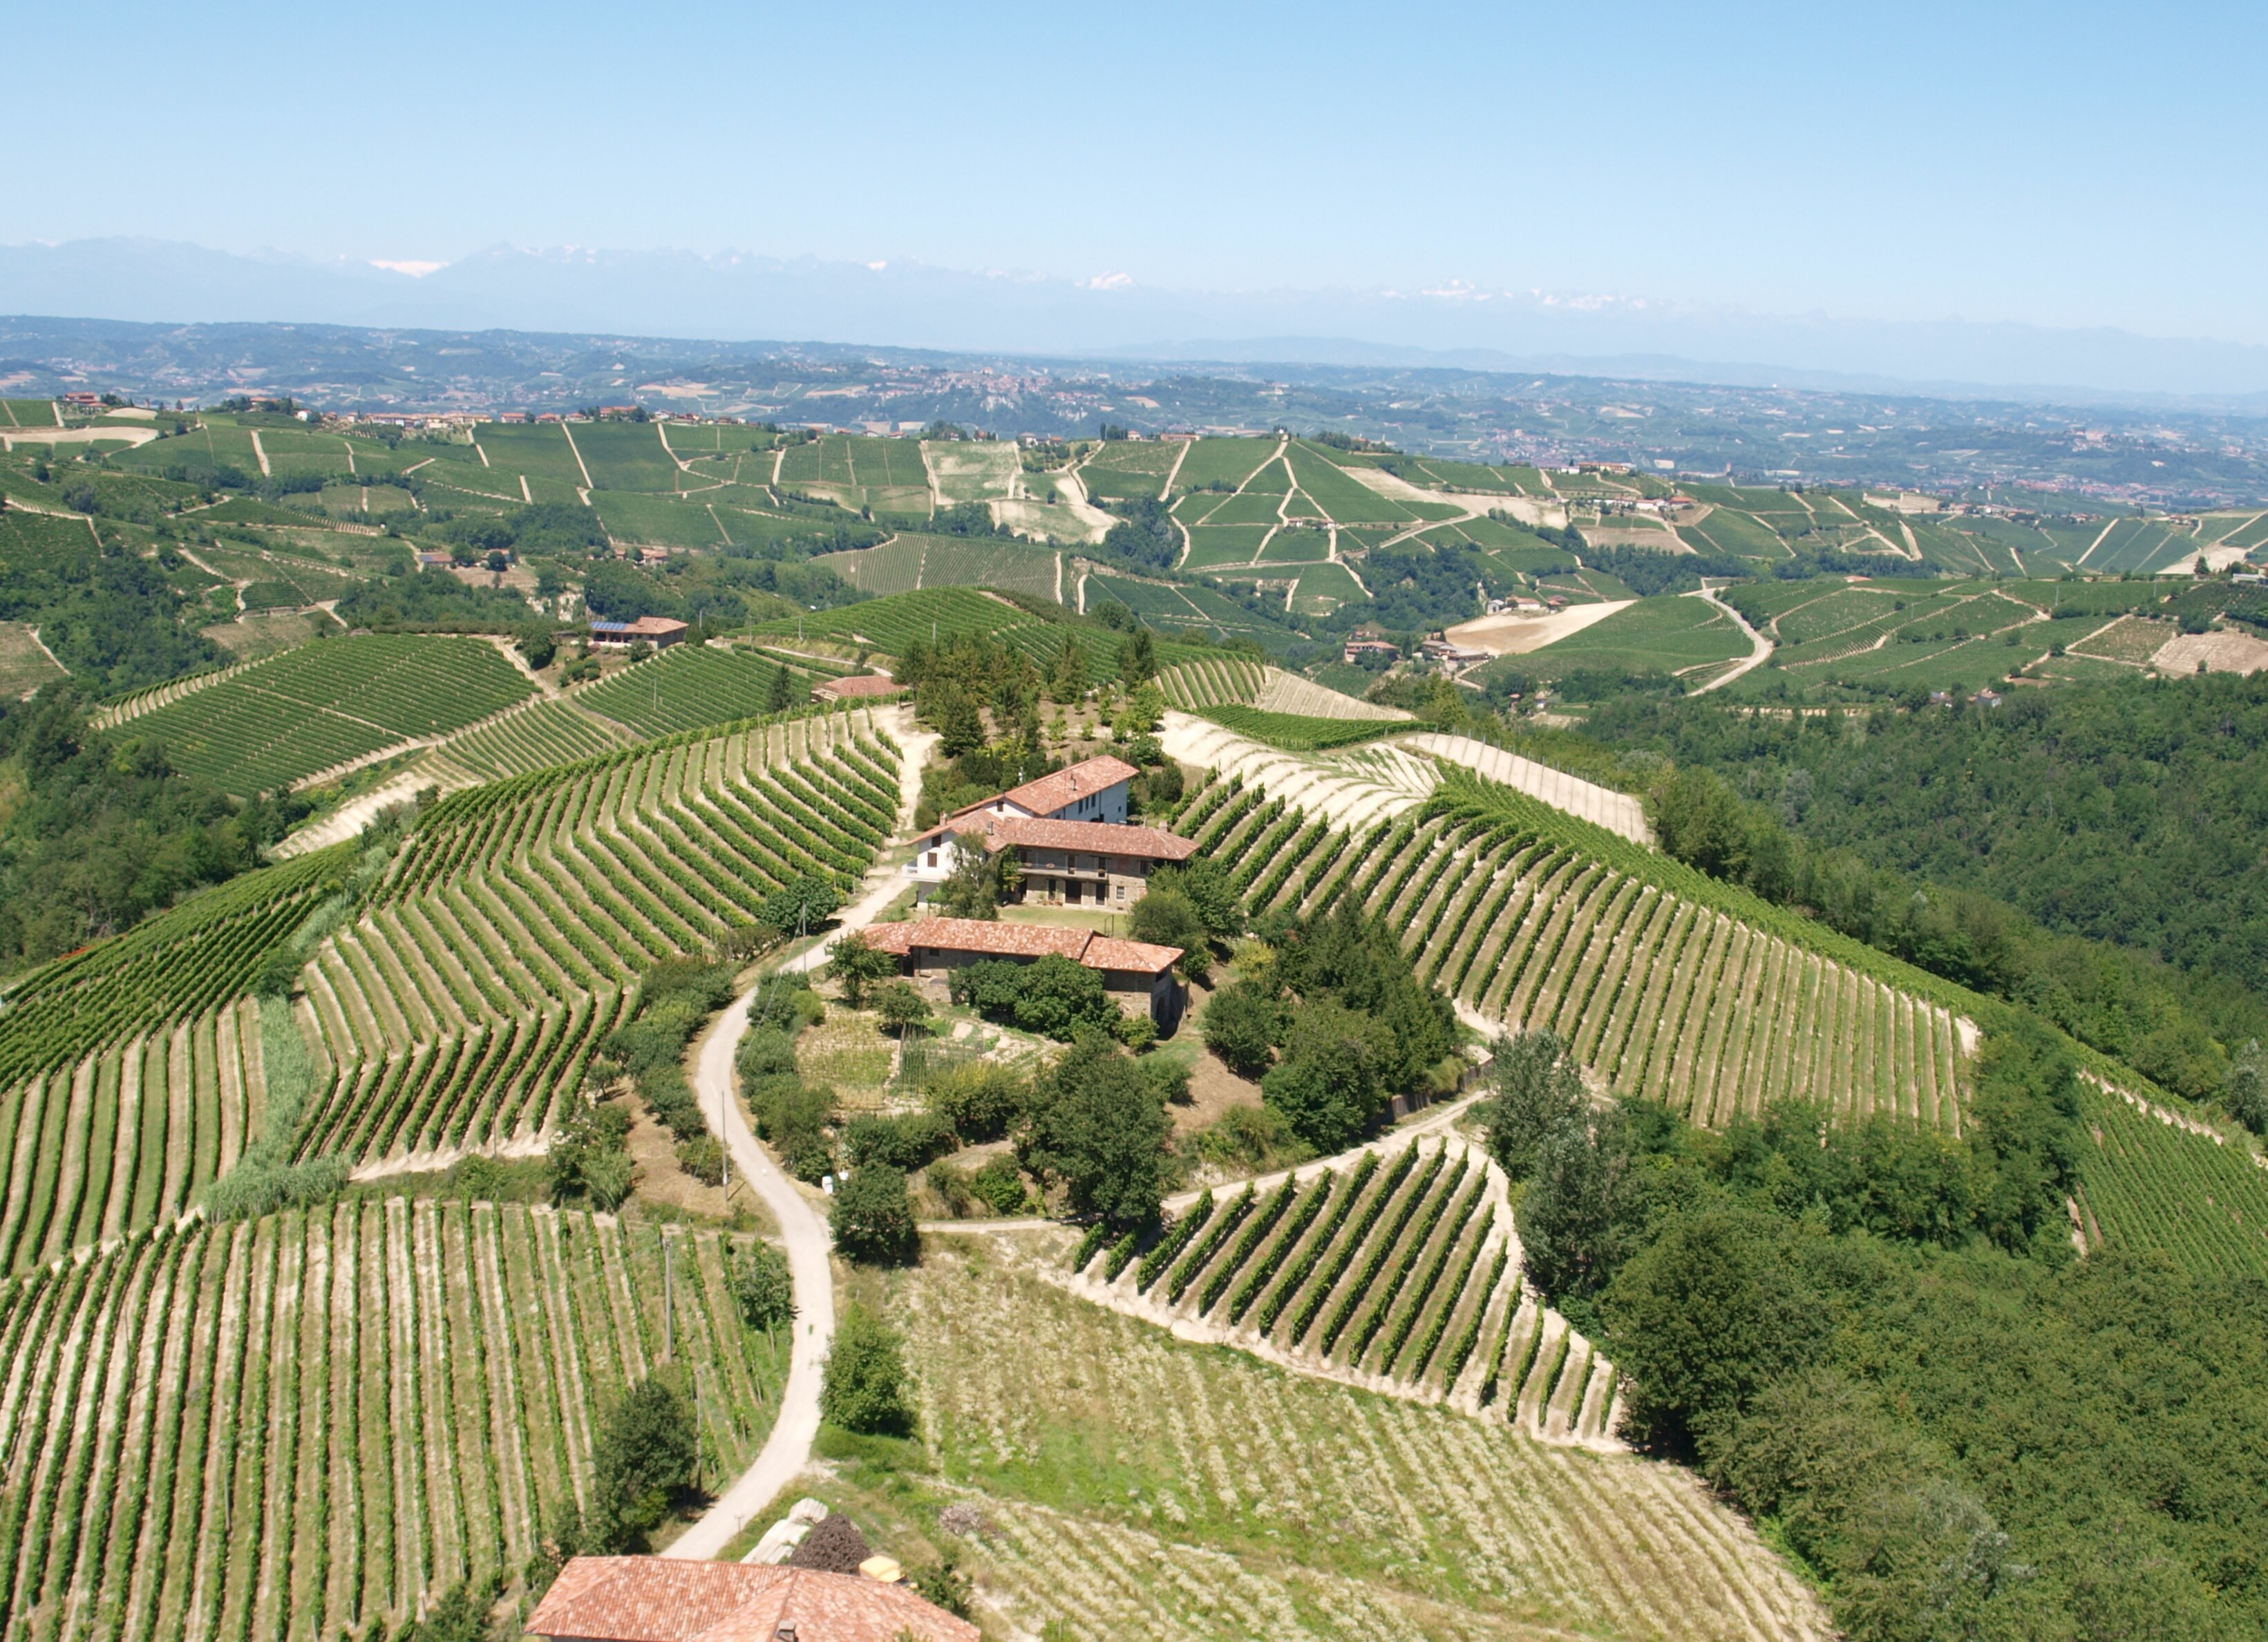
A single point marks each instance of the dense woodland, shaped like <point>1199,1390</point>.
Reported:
<point>2092,852</point>
<point>1878,1342</point>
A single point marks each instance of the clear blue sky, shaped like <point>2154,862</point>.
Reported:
<point>2069,165</point>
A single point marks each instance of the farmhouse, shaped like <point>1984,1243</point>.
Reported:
<point>1071,833</point>
<point>657,1599</point>
<point>658,630</point>
<point>1358,648</point>
<point>1139,975</point>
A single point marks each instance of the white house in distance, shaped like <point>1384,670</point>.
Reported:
<point>1071,833</point>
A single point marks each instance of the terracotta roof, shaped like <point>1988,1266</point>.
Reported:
<point>654,1599</point>
<point>1051,793</point>
<point>1108,952</point>
<point>1095,837</point>
<point>858,685</point>
<point>1021,941</point>
<point>655,624</point>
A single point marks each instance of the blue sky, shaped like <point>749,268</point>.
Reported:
<point>2070,164</point>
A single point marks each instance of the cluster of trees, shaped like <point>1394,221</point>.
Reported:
<point>1333,1020</point>
<point>1649,573</point>
<point>2090,853</point>
<point>1877,1341</point>
<point>103,831</point>
<point>431,601</point>
<point>1145,536</point>
<point>109,615</point>
<point>675,999</point>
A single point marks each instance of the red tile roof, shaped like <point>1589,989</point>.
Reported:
<point>654,1599</point>
<point>858,686</point>
<point>992,939</point>
<point>1051,793</point>
<point>1038,832</point>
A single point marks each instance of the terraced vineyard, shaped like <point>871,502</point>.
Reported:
<point>505,944</point>
<point>2151,1181</point>
<point>1208,682</point>
<point>891,623</point>
<point>1665,982</point>
<point>340,700</point>
<point>1397,1270</point>
<point>537,736</point>
<point>690,685</point>
<point>1145,1487</point>
<point>299,1427</point>
<point>1296,733</point>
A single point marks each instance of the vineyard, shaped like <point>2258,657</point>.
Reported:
<point>1194,685</point>
<point>506,940</point>
<point>2150,1182</point>
<point>537,736</point>
<point>296,1426</point>
<point>274,722</point>
<point>690,685</point>
<point>1395,1270</point>
<point>1144,1486</point>
<point>1295,733</point>
<point>1666,983</point>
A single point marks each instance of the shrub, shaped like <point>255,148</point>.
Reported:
<point>981,1101</point>
<point>764,1288</point>
<point>1242,1024</point>
<point>865,1389</point>
<point>1051,996</point>
<point>703,1158</point>
<point>900,1007</point>
<point>872,1218</point>
<point>764,1054</point>
<point>901,1143</point>
<point>951,1186</point>
<point>999,1183</point>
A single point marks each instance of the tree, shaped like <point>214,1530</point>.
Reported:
<point>1167,917</point>
<point>873,1219</point>
<point>644,1455</point>
<point>1067,674</point>
<point>1538,1089</point>
<point>854,964</point>
<point>1242,1024</point>
<point>1138,659</point>
<point>1329,1087</point>
<point>764,1288</point>
<point>2247,1092</point>
<point>800,905</point>
<point>979,881</point>
<point>900,1007</point>
<point>1210,889</point>
<point>865,1387</point>
<point>1717,1308</point>
<point>780,695</point>
<point>539,648</point>
<point>1098,1126</point>
<point>1573,1220</point>
<point>980,1100</point>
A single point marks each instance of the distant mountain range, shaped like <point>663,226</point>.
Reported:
<point>736,296</point>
